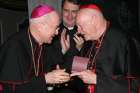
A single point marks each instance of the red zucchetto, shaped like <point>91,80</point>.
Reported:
<point>90,6</point>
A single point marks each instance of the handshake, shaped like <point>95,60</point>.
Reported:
<point>60,76</point>
<point>57,76</point>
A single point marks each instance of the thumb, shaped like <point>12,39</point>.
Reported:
<point>68,41</point>
<point>57,67</point>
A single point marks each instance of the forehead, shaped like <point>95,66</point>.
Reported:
<point>84,15</point>
<point>54,17</point>
<point>70,5</point>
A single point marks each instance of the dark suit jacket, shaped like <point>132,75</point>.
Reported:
<point>76,85</point>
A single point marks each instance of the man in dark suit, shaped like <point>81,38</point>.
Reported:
<point>27,63</point>
<point>68,42</point>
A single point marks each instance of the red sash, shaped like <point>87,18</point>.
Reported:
<point>91,88</point>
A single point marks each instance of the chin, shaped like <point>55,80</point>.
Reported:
<point>49,42</point>
<point>70,24</point>
<point>87,39</point>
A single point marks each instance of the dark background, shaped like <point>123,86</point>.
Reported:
<point>12,14</point>
<point>122,13</point>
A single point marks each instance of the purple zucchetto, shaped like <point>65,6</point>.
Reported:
<point>41,10</point>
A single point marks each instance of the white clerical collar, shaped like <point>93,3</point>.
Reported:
<point>70,28</point>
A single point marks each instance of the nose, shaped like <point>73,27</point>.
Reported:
<point>70,15</point>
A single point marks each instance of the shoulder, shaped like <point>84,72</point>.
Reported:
<point>117,34</point>
<point>14,41</point>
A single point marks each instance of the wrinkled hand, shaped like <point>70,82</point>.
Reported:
<point>79,41</point>
<point>57,76</point>
<point>88,76</point>
<point>65,42</point>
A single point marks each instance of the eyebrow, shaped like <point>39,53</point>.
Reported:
<point>70,10</point>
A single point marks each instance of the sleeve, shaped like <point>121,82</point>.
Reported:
<point>106,84</point>
<point>117,80</point>
<point>9,62</point>
<point>134,58</point>
<point>13,76</point>
<point>36,85</point>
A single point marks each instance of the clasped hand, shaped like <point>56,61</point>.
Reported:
<point>60,76</point>
<point>57,76</point>
<point>65,41</point>
<point>88,76</point>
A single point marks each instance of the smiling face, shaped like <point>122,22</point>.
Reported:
<point>69,13</point>
<point>50,27</point>
<point>46,26</point>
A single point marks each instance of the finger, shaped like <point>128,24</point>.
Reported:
<point>76,37</point>
<point>76,40</point>
<point>64,78</point>
<point>57,67</point>
<point>68,38</point>
<point>63,41</point>
<point>63,33</point>
<point>62,81</point>
<point>67,41</point>
<point>75,74</point>
<point>64,74</point>
<point>65,38</point>
<point>81,39</point>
